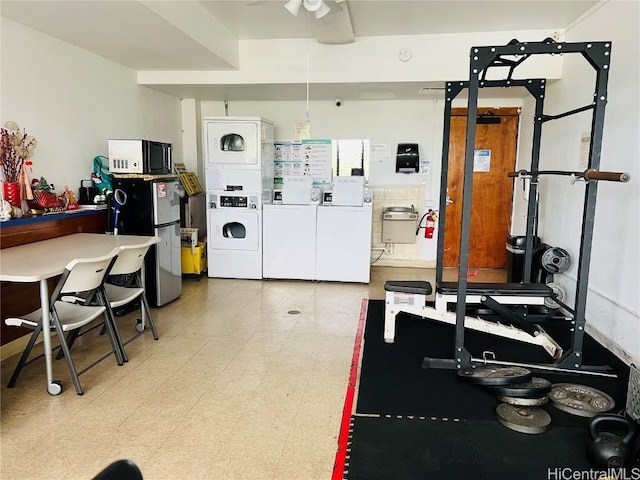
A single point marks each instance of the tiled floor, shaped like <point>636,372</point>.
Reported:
<point>236,388</point>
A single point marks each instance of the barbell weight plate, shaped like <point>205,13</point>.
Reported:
<point>534,388</point>
<point>580,400</point>
<point>531,420</point>
<point>494,375</point>
<point>556,260</point>
<point>560,294</point>
<point>524,402</point>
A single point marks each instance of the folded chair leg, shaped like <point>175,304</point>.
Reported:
<point>111,327</point>
<point>67,354</point>
<point>71,338</point>
<point>116,343</point>
<point>25,355</point>
<point>147,312</point>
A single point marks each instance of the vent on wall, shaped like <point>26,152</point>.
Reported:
<point>431,91</point>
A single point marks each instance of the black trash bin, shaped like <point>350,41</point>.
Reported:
<point>515,259</point>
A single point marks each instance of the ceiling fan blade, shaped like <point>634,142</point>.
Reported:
<point>334,5</point>
<point>334,28</point>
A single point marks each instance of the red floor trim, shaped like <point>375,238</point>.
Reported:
<point>338,466</point>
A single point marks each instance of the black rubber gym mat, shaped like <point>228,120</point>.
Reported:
<point>392,380</point>
<point>402,448</point>
<point>421,449</point>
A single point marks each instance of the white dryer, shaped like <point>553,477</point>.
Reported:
<point>239,155</point>
<point>234,235</point>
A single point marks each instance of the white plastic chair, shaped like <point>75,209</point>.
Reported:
<point>128,262</point>
<point>80,275</point>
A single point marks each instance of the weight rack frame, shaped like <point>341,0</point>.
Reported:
<point>598,55</point>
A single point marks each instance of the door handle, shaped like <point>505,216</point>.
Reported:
<point>448,200</point>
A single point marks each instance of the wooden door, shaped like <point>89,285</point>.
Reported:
<point>497,133</point>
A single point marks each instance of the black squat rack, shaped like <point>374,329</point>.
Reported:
<point>598,55</point>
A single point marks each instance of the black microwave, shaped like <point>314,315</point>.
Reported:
<point>139,156</point>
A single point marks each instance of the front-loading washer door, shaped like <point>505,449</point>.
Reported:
<point>235,230</point>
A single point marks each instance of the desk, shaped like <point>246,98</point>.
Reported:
<point>36,262</point>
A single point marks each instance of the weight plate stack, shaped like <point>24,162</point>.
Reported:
<point>531,420</point>
<point>580,400</point>
<point>495,376</point>
<point>524,402</point>
<point>534,388</point>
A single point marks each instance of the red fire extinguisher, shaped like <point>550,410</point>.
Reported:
<point>430,225</point>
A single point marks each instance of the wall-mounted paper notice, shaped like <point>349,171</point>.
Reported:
<point>215,177</point>
<point>302,129</point>
<point>380,152</point>
<point>482,161</point>
<point>425,166</point>
<point>585,141</point>
<point>317,159</point>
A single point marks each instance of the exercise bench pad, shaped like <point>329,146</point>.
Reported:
<point>417,287</point>
<point>498,289</point>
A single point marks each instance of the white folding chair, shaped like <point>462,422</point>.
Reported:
<point>80,275</point>
<point>129,263</point>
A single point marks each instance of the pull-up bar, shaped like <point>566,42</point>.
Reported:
<point>588,175</point>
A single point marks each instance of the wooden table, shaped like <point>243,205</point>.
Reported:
<point>39,261</point>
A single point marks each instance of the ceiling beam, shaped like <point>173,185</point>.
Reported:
<point>195,21</point>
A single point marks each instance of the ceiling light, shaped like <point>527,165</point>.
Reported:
<point>313,5</point>
<point>293,6</point>
<point>317,6</point>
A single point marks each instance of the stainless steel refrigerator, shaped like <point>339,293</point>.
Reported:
<point>153,208</point>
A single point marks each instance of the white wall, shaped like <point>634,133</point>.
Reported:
<point>436,58</point>
<point>73,101</point>
<point>613,303</point>
<point>382,122</point>
<point>386,122</point>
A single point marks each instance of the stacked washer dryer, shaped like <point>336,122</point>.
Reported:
<point>239,154</point>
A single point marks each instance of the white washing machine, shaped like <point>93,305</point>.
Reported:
<point>343,236</point>
<point>289,242</point>
<point>239,155</point>
<point>289,231</point>
<point>234,235</point>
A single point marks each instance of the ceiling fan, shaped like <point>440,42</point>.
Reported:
<point>320,7</point>
<point>330,22</point>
